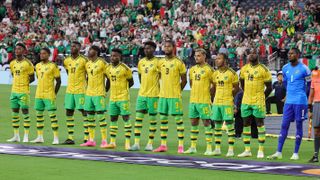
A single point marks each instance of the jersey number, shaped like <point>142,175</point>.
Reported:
<point>73,70</point>
<point>146,70</point>
<point>221,83</point>
<point>250,77</point>
<point>91,72</point>
<point>197,77</point>
<point>167,70</point>
<point>113,78</point>
<point>17,72</point>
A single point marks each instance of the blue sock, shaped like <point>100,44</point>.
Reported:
<point>299,134</point>
<point>283,134</point>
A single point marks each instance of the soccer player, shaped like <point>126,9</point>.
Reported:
<point>22,72</point>
<point>95,100</point>
<point>226,86</point>
<point>314,112</point>
<point>147,101</point>
<point>75,66</point>
<point>254,77</point>
<point>120,78</point>
<point>173,80</point>
<point>296,78</point>
<point>47,72</point>
<point>201,79</point>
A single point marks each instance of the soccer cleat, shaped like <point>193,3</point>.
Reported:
<point>15,138</point>
<point>180,149</point>
<point>216,152</point>
<point>88,144</point>
<point>135,147</point>
<point>68,142</point>
<point>25,138</point>
<point>245,154</point>
<point>295,156</point>
<point>277,155</point>
<point>260,155</point>
<point>110,146</point>
<point>191,150</point>
<point>162,148</point>
<point>230,153</point>
<point>38,140</point>
<point>314,159</point>
<point>148,147</point>
<point>103,144</point>
<point>208,153</point>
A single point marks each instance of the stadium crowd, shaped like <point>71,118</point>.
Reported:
<point>217,26</point>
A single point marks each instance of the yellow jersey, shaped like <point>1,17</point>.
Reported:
<point>201,78</point>
<point>119,85</point>
<point>46,74</point>
<point>21,71</point>
<point>96,72</point>
<point>254,83</point>
<point>76,69</point>
<point>171,70</point>
<point>224,81</point>
<point>150,75</point>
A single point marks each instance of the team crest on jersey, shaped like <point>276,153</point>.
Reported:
<point>163,65</point>
<point>143,65</point>
<point>226,77</point>
<point>151,65</point>
<point>297,71</point>
<point>171,65</point>
<point>202,72</point>
<point>77,64</point>
<point>255,72</point>
<point>117,72</point>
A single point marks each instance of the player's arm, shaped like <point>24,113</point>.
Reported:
<point>131,82</point>
<point>31,78</point>
<point>139,77</point>
<point>183,81</point>
<point>58,84</point>
<point>268,89</point>
<point>242,83</point>
<point>311,97</point>
<point>213,91</point>
<point>107,84</point>
<point>235,89</point>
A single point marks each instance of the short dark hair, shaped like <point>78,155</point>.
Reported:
<point>151,43</point>
<point>296,50</point>
<point>77,43</point>
<point>117,50</point>
<point>224,55</point>
<point>96,48</point>
<point>171,42</point>
<point>46,49</point>
<point>21,45</point>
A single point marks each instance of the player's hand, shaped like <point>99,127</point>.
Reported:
<point>310,115</point>
<point>283,100</point>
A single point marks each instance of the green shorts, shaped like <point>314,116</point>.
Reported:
<point>256,111</point>
<point>197,110</point>
<point>95,103</point>
<point>150,104</point>
<point>45,104</point>
<point>74,101</point>
<point>172,106</point>
<point>19,100</point>
<point>222,112</point>
<point>117,108</point>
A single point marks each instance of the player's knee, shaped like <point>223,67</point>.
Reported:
<point>15,110</point>
<point>25,111</point>
<point>126,117</point>
<point>69,112</point>
<point>100,112</point>
<point>260,122</point>
<point>194,122</point>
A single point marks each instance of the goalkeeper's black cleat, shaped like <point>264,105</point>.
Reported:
<point>68,142</point>
<point>314,159</point>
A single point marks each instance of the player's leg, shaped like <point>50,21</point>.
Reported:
<point>300,112</point>
<point>85,125</point>
<point>194,116</point>
<point>163,110</point>
<point>24,105</point>
<point>316,128</point>
<point>15,119</point>
<point>152,110</point>
<point>288,116</point>
<point>218,122</point>
<point>141,110</point>
<point>269,101</point>
<point>90,111</point>
<point>208,135</point>
<point>50,106</point>
<point>227,116</point>
<point>39,107</point>
<point>175,108</point>
<point>100,109</point>
<point>69,104</point>
<point>114,112</point>
<point>125,113</point>
<point>261,136</point>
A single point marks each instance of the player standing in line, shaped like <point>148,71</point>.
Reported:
<point>254,77</point>
<point>314,112</point>
<point>22,72</point>
<point>75,66</point>
<point>226,86</point>
<point>201,79</point>
<point>296,79</point>
<point>173,81</point>
<point>120,78</point>
<point>147,101</point>
<point>95,100</point>
<point>47,72</point>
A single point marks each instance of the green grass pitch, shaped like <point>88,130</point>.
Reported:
<point>19,167</point>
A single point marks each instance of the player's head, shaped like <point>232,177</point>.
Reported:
<point>253,55</point>
<point>116,55</point>
<point>20,49</point>
<point>280,76</point>
<point>45,54</point>
<point>293,55</point>
<point>149,48</point>
<point>75,47</point>
<point>168,47</point>
<point>200,56</point>
<point>221,60</point>
<point>94,51</point>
